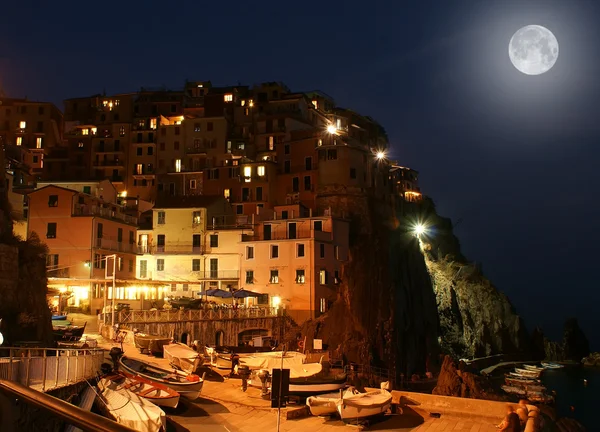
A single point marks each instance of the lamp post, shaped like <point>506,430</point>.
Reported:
<point>114,275</point>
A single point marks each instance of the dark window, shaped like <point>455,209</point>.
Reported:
<point>287,166</point>
<point>352,173</point>
<point>331,154</point>
<point>131,237</point>
<point>292,230</point>
<point>214,240</point>
<point>300,250</point>
<point>87,190</point>
<point>160,264</point>
<point>196,239</point>
<point>130,266</point>
<point>53,201</point>
<point>209,126</point>
<point>100,231</point>
<point>239,209</point>
<point>214,268</point>
<point>120,235</point>
<point>195,265</point>
<point>259,196</point>
<point>51,230</point>
<point>307,185</point>
<point>322,250</point>
<point>140,151</point>
<point>249,252</point>
<point>284,214</point>
<point>177,130</point>
<point>40,126</point>
<point>286,149</point>
<point>274,251</point>
<point>41,110</point>
<point>249,276</point>
<point>308,163</point>
<point>150,151</point>
<point>318,226</point>
<point>295,184</point>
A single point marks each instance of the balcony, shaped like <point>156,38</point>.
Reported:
<point>107,149</point>
<point>59,273</point>
<point>171,249</point>
<point>300,234</point>
<point>217,274</point>
<point>145,174</point>
<point>195,150</point>
<point>112,163</point>
<point>112,244</point>
<point>93,210</point>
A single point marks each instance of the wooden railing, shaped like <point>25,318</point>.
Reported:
<point>173,315</point>
<point>46,369</point>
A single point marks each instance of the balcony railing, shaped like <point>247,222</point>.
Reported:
<point>217,274</point>
<point>300,234</point>
<point>87,210</point>
<point>178,248</point>
<point>114,245</point>
<point>196,150</point>
<point>174,315</point>
<point>59,273</point>
<point>108,163</point>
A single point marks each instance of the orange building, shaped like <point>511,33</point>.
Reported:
<point>295,259</point>
<point>81,230</point>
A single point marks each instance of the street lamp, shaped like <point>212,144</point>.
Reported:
<point>380,155</point>
<point>332,130</point>
<point>419,229</point>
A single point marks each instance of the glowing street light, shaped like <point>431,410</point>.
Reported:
<point>419,229</point>
<point>380,155</point>
<point>331,129</point>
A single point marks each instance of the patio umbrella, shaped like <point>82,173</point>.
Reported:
<point>243,293</point>
<point>218,293</point>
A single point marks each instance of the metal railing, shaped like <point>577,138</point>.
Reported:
<point>10,392</point>
<point>299,234</point>
<point>87,210</point>
<point>115,245</point>
<point>49,368</point>
<point>173,315</point>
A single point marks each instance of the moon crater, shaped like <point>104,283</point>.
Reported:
<point>533,50</point>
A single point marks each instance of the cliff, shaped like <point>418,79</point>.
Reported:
<point>401,302</point>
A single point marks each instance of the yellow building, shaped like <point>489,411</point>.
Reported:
<point>186,247</point>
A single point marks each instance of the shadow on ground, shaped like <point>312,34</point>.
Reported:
<point>211,375</point>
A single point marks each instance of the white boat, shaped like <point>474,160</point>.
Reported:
<point>514,390</point>
<point>529,373</point>
<point>183,357</point>
<point>187,385</point>
<point>158,394</point>
<point>356,406</point>
<point>323,405</point>
<point>533,368</point>
<point>128,409</point>
<point>550,365</point>
<point>87,401</point>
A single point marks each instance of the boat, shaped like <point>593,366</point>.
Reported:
<point>150,343</point>
<point>514,390</point>
<point>68,333</point>
<point>187,385</point>
<point>540,397</point>
<point>59,317</point>
<point>533,368</point>
<point>323,405</point>
<point>220,357</point>
<point>516,375</point>
<point>305,384</point>
<point>550,365</point>
<point>355,406</point>
<point>131,410</point>
<point>182,357</point>
<point>527,372</point>
<point>157,393</point>
<point>520,382</point>
<point>85,403</point>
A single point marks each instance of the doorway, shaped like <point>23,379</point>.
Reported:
<point>220,338</point>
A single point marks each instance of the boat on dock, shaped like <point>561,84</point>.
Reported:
<point>150,343</point>
<point>158,394</point>
<point>540,397</point>
<point>59,317</point>
<point>520,382</point>
<point>351,405</point>
<point>220,357</point>
<point>182,357</point>
<point>187,385</point>
<point>68,333</point>
<point>129,409</point>
<point>550,365</point>
<point>534,368</point>
<point>529,373</point>
<point>514,390</point>
<point>307,379</point>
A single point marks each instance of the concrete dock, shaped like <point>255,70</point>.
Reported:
<point>225,407</point>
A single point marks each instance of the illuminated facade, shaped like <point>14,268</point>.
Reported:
<point>295,259</point>
<point>405,183</point>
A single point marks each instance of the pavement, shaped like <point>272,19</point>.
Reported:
<point>223,406</point>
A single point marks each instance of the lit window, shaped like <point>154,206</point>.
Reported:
<point>243,103</point>
<point>153,123</point>
<point>261,171</point>
<point>196,217</point>
<point>338,123</point>
<point>19,141</point>
<point>247,173</point>
<point>251,103</point>
<point>228,97</point>
<point>271,143</point>
<point>320,142</point>
<point>177,165</point>
<point>323,277</point>
<point>22,125</point>
<point>85,131</point>
<point>274,276</point>
<point>323,305</point>
<point>139,168</point>
<point>38,142</point>
<point>227,193</point>
<point>80,144</point>
<point>300,276</point>
<point>94,130</point>
<point>117,102</point>
<point>315,104</point>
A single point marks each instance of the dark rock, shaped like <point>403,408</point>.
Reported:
<point>575,344</point>
<point>592,360</point>
<point>462,382</point>
<point>538,344</point>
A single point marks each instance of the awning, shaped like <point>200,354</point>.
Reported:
<point>243,293</point>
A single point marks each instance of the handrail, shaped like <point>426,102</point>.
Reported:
<point>71,414</point>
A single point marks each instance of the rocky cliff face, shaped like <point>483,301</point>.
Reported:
<point>476,319</point>
<point>574,345</point>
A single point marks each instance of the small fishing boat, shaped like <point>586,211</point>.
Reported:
<point>533,368</point>
<point>355,406</point>
<point>150,343</point>
<point>516,375</point>
<point>527,372</point>
<point>130,410</point>
<point>154,392</point>
<point>182,357</point>
<point>68,333</point>
<point>316,384</point>
<point>85,403</point>
<point>59,317</point>
<point>540,397</point>
<point>520,382</point>
<point>550,365</point>
<point>323,405</point>
<point>187,385</point>
<point>514,390</point>
<point>220,357</point>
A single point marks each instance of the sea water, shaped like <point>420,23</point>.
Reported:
<point>572,391</point>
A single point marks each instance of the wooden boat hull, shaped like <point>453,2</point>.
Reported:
<point>150,343</point>
<point>514,390</point>
<point>549,365</point>
<point>356,408</point>
<point>68,333</point>
<point>176,380</point>
<point>154,392</point>
<point>324,405</point>
<point>181,356</point>
<point>526,372</point>
<point>317,385</point>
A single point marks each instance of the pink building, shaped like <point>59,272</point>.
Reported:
<point>295,259</point>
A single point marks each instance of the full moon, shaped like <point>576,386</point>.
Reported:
<point>533,50</point>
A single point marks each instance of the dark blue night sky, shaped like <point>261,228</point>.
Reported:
<point>514,156</point>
